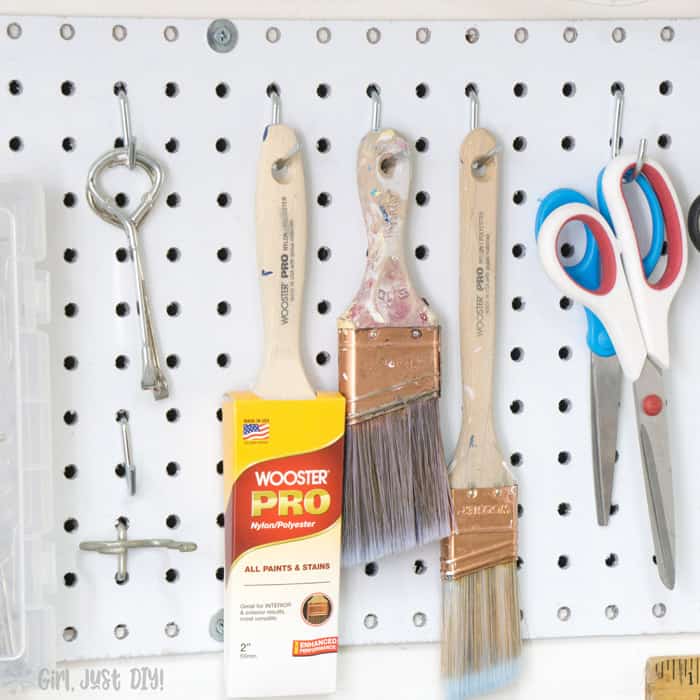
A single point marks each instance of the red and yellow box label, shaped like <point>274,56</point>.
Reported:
<point>283,475</point>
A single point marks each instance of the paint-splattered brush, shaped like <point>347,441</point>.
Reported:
<point>396,489</point>
<point>481,614</point>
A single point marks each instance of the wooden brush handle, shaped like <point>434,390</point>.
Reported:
<point>478,461</point>
<point>280,210</point>
<point>386,296</point>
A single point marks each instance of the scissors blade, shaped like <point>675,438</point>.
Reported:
<point>606,383</point>
<point>656,458</point>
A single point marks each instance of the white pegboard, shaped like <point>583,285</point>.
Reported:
<point>36,110</point>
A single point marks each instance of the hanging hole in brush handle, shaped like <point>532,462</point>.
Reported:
<point>586,272</point>
<point>694,222</point>
<point>386,296</point>
<point>281,235</point>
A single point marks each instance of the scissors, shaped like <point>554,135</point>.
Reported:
<point>631,328</point>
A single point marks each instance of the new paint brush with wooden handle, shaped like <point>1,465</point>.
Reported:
<point>481,613</point>
<point>396,489</point>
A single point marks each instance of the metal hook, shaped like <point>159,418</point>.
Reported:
<point>376,108</point>
<point>641,157</point>
<point>617,122</point>
<point>127,136</point>
<point>129,467</point>
<point>122,545</point>
<point>473,109</point>
<point>281,163</point>
<point>276,117</point>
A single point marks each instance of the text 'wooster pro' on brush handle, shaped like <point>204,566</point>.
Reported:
<point>396,489</point>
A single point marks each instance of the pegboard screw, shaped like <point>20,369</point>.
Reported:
<point>216,626</point>
<point>222,35</point>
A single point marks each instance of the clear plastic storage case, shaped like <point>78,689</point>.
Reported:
<point>27,574</point>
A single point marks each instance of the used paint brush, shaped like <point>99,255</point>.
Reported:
<point>481,614</point>
<point>396,488</point>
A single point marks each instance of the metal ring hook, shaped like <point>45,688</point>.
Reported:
<point>376,108</point>
<point>127,135</point>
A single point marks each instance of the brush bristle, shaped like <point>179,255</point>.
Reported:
<point>396,491</point>
<point>480,631</point>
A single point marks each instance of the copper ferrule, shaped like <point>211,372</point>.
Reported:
<point>382,369</point>
<point>485,531</point>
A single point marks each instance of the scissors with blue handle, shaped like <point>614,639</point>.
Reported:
<point>634,312</point>
<point>606,373</point>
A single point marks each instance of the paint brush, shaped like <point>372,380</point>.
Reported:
<point>396,489</point>
<point>481,614</point>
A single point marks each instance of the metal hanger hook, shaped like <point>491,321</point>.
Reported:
<point>127,135</point>
<point>376,108</point>
<point>619,96</point>
<point>276,117</point>
<point>473,108</point>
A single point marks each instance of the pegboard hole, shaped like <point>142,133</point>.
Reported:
<point>172,89</point>
<point>423,35</point>
<point>14,30</point>
<point>172,575</point>
<point>564,353</point>
<point>567,250</point>
<point>70,525</point>
<point>519,563</point>
<point>172,415</point>
<point>70,310</point>
<point>273,35</point>
<point>520,89</point>
<point>173,361</point>
<point>121,362</point>
<point>517,354</point>
<point>564,405</point>
<point>121,580</point>
<point>120,470</point>
<point>422,198</point>
<point>521,510</point>
<point>420,619</point>
<point>171,33</point>
<point>173,254</point>
<point>220,467</point>
<point>323,35</point>
<point>564,457</point>
<point>323,306</point>
<point>222,145</point>
<point>119,32</point>
<point>614,509</point>
<point>371,621</point>
<point>173,309</point>
<point>422,90</point>
<point>69,200</point>
<point>172,630</point>
<point>611,612</point>
<point>16,144</point>
<point>15,87</point>
<point>422,252</point>
<point>519,197</point>
<point>172,468</point>
<point>323,145</point>
<point>616,87</point>
<point>565,303</point>
<point>519,143</point>
<point>517,406</point>
<point>564,613</point>
<point>172,521</point>
<point>422,144</point>
<point>563,561</point>
<point>119,142</point>
<point>121,631</point>
<point>220,573</point>
<point>666,87</point>
<point>323,90</point>
<point>619,34</point>
<point>173,200</point>
<point>70,471</point>
<point>470,88</point>
<point>68,144</point>
<point>667,33</point>
<point>70,362</point>
<point>611,560</point>
<point>516,459</point>
<point>70,579</point>
<point>324,199</point>
<point>70,634</point>
<point>322,358</point>
<point>324,253</point>
<point>371,89</point>
<point>122,309</point>
<point>517,303</point>
<point>373,35</point>
<point>519,250</point>
<point>658,610</point>
<point>70,255</point>
<point>371,569</point>
<point>419,567</point>
<point>223,360</point>
<point>223,308</point>
<point>221,90</point>
<point>172,145</point>
<point>220,520</point>
<point>564,509</point>
<point>70,417</point>
<point>121,254</point>
<point>521,35</point>
<point>471,36</point>
<point>568,143</point>
<point>664,141</point>
<point>67,88</point>
<point>121,200</point>
<point>568,89</point>
<point>67,31</point>
<point>570,35</point>
<point>223,254</point>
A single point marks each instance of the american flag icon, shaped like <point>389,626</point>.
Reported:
<point>256,432</point>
